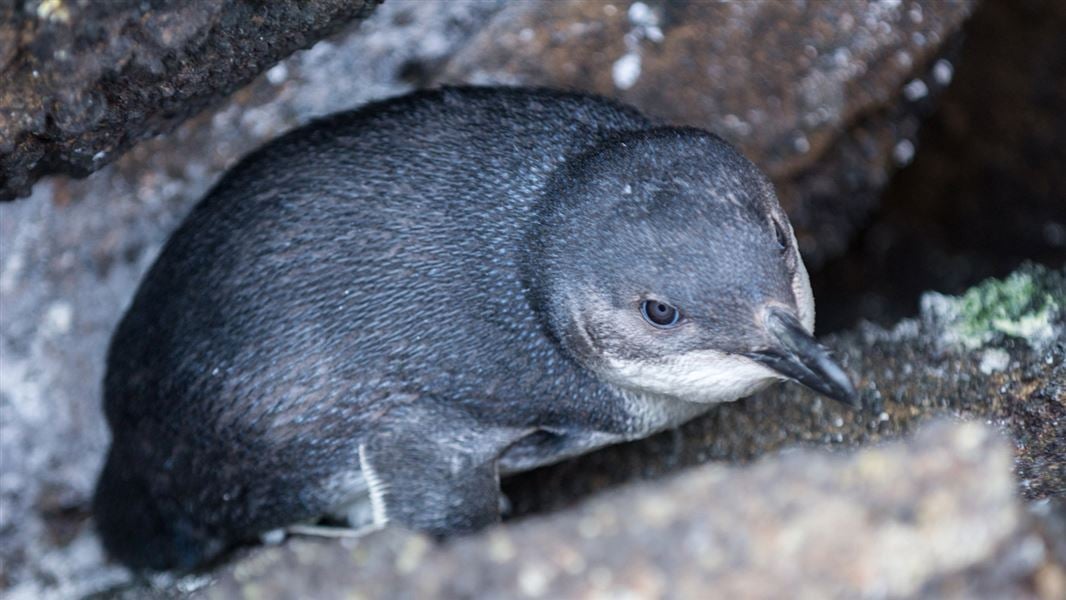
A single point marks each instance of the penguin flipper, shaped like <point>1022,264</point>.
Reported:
<point>429,486</point>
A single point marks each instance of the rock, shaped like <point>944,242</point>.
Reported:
<point>72,254</point>
<point>935,515</point>
<point>81,82</point>
<point>986,191</point>
<point>826,97</point>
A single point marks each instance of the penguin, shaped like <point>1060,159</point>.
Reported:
<point>379,314</point>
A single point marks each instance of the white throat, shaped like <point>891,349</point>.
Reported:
<point>663,395</point>
<point>702,376</point>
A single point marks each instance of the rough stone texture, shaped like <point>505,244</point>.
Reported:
<point>823,96</point>
<point>72,254</point>
<point>81,81</point>
<point>987,190</point>
<point>932,517</point>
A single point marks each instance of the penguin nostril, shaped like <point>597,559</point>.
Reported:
<point>781,235</point>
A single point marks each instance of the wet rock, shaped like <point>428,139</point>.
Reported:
<point>80,82</point>
<point>826,97</point>
<point>935,515</point>
<point>72,254</point>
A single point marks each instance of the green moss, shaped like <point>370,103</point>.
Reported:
<point>1016,306</point>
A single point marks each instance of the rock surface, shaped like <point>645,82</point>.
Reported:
<point>986,191</point>
<point>823,96</point>
<point>935,515</point>
<point>81,82</point>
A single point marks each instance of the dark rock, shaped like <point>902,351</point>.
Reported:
<point>820,95</point>
<point>986,192</point>
<point>81,82</point>
<point>935,515</point>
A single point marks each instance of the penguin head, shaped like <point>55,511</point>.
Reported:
<point>667,267</point>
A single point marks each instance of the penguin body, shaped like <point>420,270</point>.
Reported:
<point>390,307</point>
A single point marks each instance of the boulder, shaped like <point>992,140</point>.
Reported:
<point>935,515</point>
<point>985,192</point>
<point>81,82</point>
<point>825,97</point>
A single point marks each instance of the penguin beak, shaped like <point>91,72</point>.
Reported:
<point>798,356</point>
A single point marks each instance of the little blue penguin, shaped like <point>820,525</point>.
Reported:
<point>379,314</point>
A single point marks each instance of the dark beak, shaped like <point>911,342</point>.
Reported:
<point>798,356</point>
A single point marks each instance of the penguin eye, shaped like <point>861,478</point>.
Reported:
<point>781,235</point>
<point>659,313</point>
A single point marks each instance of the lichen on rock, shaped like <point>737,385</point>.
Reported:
<point>1022,305</point>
